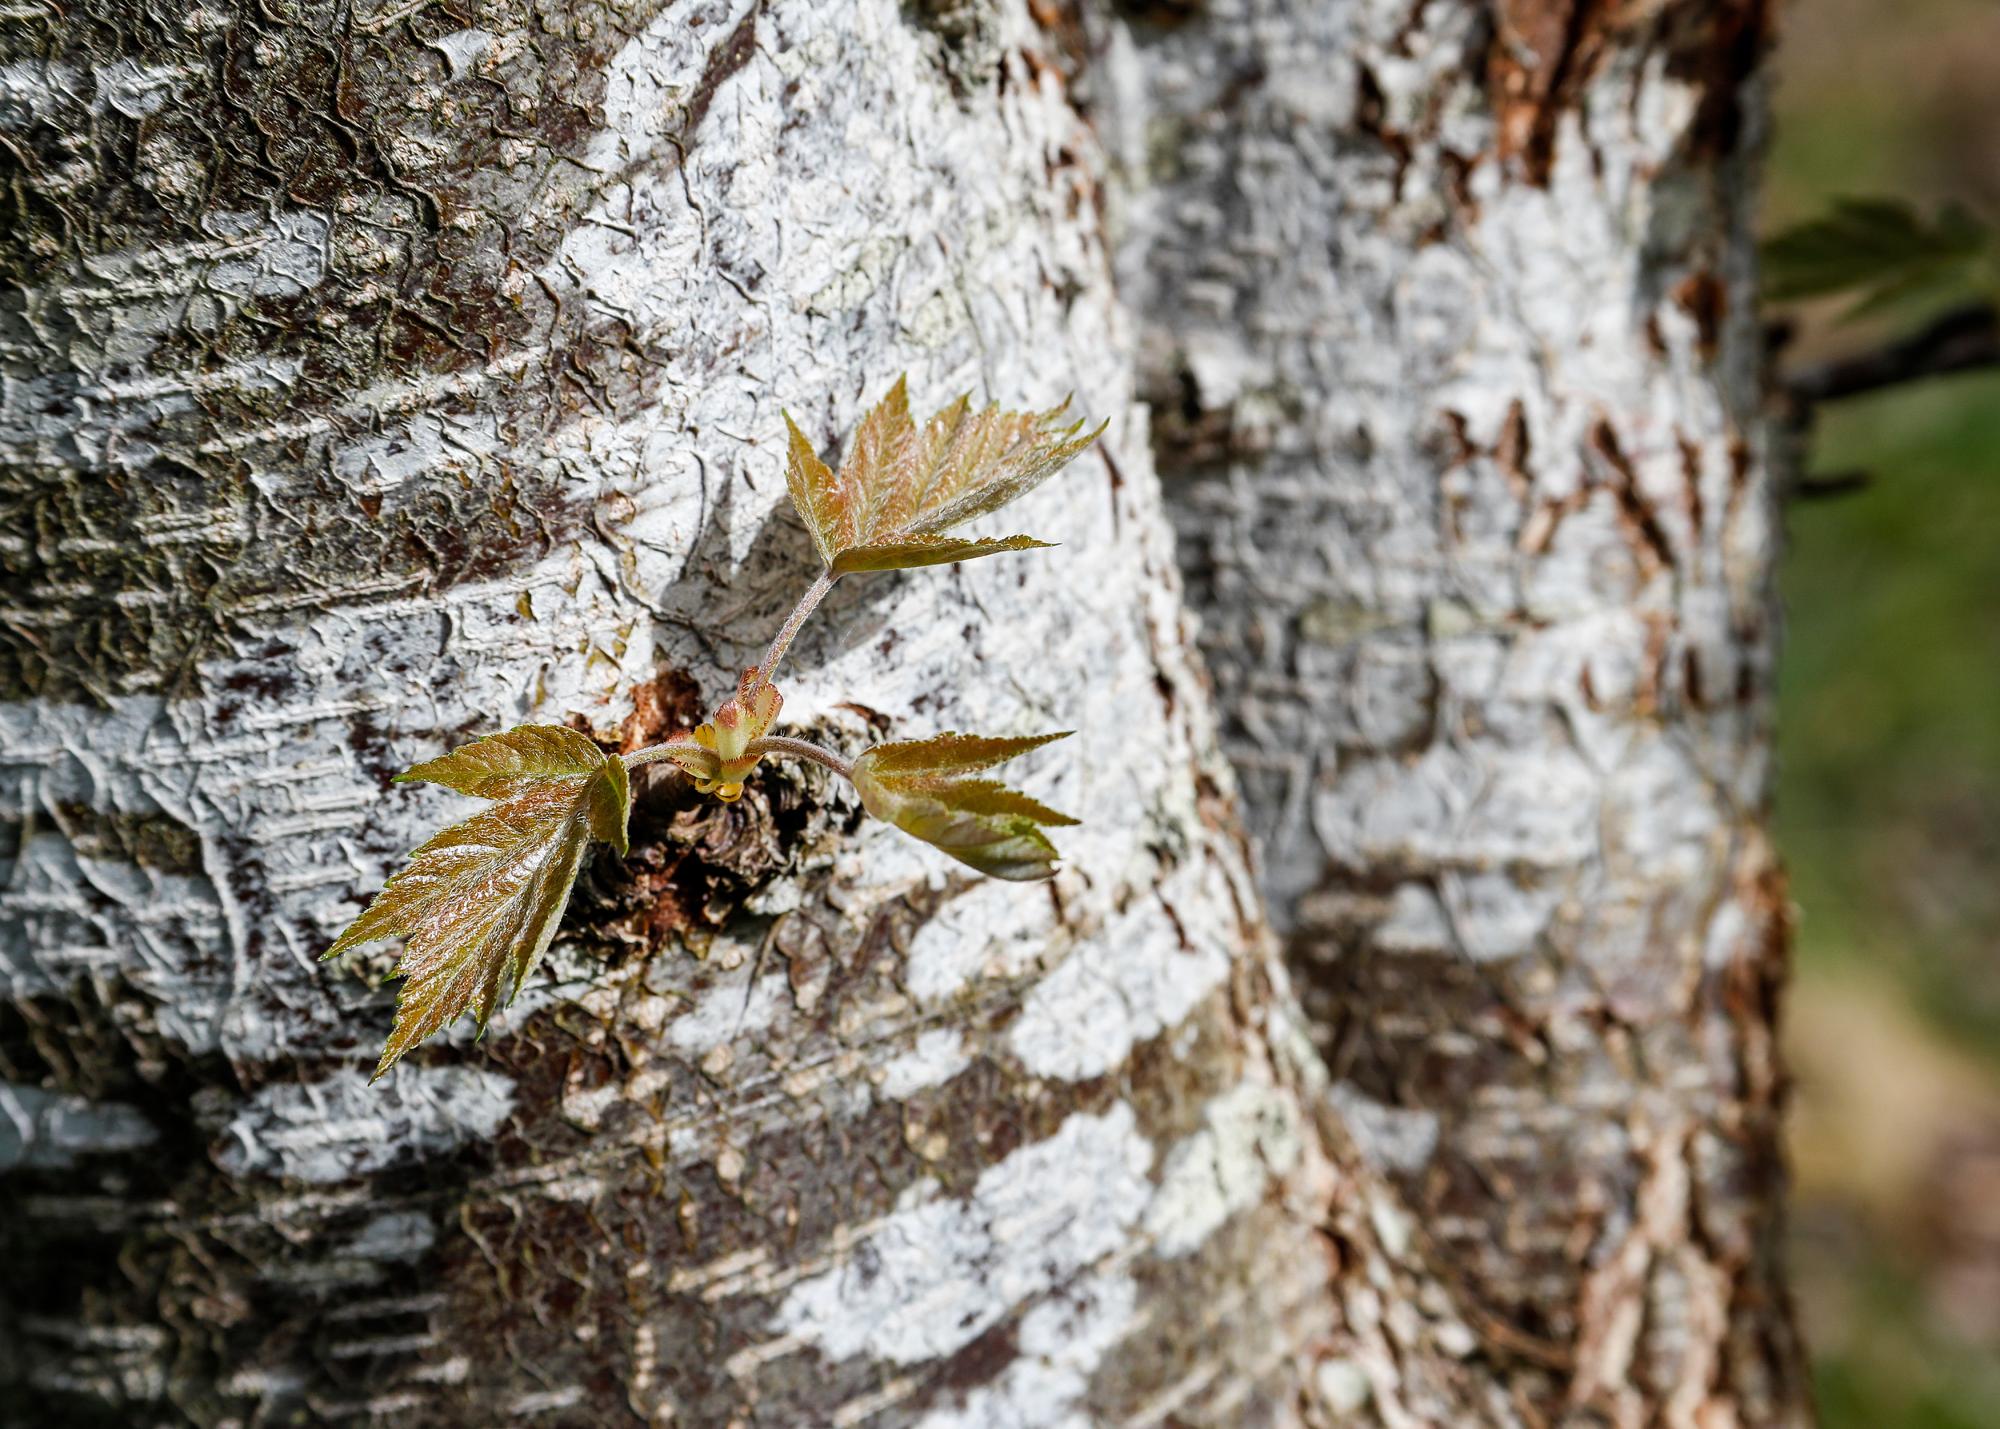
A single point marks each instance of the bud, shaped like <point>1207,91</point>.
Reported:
<point>737,723</point>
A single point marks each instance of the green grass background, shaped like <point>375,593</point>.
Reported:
<point>1889,787</point>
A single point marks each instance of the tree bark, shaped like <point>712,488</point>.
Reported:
<point>381,376</point>
<point>376,378</point>
<point>1451,337</point>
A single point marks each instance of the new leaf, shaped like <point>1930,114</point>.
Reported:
<point>917,787</point>
<point>479,903</point>
<point>903,485</point>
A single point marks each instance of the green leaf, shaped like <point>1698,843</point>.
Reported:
<point>1881,249</point>
<point>979,822</point>
<point>913,551</point>
<point>479,903</point>
<point>902,483</point>
<point>811,483</point>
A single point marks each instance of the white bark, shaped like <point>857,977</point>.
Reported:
<point>1452,342</point>
<point>377,378</point>
<point>380,377</point>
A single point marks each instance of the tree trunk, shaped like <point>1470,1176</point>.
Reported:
<point>377,377</point>
<point>1452,343</point>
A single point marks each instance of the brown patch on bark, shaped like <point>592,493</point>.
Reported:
<point>1648,541</point>
<point>667,704</point>
<point>1065,25</point>
<point>1370,117</point>
<point>1691,483</point>
<point>1189,434</point>
<point>727,59</point>
<point>1544,52</point>
<point>1718,45</point>
<point>1702,297</point>
<point>1514,450</point>
<point>1164,13</point>
<point>1459,445</point>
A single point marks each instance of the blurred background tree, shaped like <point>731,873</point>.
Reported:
<point>1889,798</point>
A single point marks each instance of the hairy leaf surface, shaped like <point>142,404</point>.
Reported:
<point>479,903</point>
<point>954,753</point>
<point>913,551</point>
<point>503,765</point>
<point>979,822</point>
<point>903,483</point>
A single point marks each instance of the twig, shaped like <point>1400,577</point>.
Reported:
<point>1839,483</point>
<point>780,642</point>
<point>1958,341</point>
<point>654,753</point>
<point>767,744</point>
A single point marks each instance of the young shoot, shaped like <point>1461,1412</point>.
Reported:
<point>478,904</point>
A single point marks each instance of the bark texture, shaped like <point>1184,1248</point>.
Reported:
<point>1451,339</point>
<point>376,377</point>
<point>380,375</point>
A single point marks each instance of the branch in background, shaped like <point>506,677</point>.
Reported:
<point>1962,339</point>
<point>1839,483</point>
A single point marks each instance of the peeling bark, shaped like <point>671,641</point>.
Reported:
<point>1451,339</point>
<point>377,377</point>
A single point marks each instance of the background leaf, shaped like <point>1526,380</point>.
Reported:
<point>479,903</point>
<point>1882,249</point>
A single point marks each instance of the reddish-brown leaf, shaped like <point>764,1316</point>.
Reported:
<point>478,904</point>
<point>901,483</point>
<point>979,822</point>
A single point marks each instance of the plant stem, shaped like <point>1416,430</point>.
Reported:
<point>769,744</point>
<point>783,639</point>
<point>801,749</point>
<point>761,675</point>
<point>654,753</point>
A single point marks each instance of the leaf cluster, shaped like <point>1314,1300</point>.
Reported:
<point>478,904</point>
<point>919,786</point>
